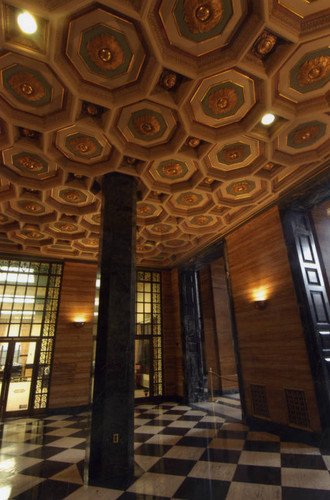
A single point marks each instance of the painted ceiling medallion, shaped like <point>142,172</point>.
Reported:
<point>242,187</point>
<point>189,199</point>
<point>175,243</point>
<point>30,162</point>
<point>34,235</point>
<point>145,209</point>
<point>161,228</point>
<point>147,124</point>
<point>208,181</point>
<point>31,207</point>
<point>201,20</point>
<point>84,146</point>
<point>105,51</point>
<point>172,169</point>
<point>264,44</point>
<point>91,242</point>
<point>202,16</point>
<point>27,86</point>
<point>66,227</point>
<point>72,195</point>
<point>223,100</point>
<point>306,134</point>
<point>234,153</point>
<point>313,73</point>
<point>201,220</point>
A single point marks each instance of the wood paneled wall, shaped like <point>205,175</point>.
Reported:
<point>73,346</point>
<point>172,342</point>
<point>223,325</point>
<point>219,349</point>
<point>271,342</point>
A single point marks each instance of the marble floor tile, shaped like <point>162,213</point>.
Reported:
<point>306,478</point>
<point>227,444</point>
<point>262,436</point>
<point>150,429</point>
<point>70,475</point>
<point>213,470</point>
<point>62,432</point>
<point>260,458</point>
<point>94,493</point>
<point>145,462</point>
<point>162,439</point>
<point>15,485</point>
<point>157,484</point>
<point>299,448</point>
<point>244,491</point>
<point>185,452</point>
<point>70,455</point>
<point>194,488</point>
<point>67,442</point>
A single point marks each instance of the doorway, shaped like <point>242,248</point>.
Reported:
<point>17,374</point>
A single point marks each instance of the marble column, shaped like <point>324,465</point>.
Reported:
<point>195,380</point>
<point>111,460</point>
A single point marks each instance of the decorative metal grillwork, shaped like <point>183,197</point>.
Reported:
<point>297,408</point>
<point>149,324</point>
<point>259,400</point>
<point>29,299</point>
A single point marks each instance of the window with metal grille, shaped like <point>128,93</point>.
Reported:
<point>148,339</point>
<point>29,299</point>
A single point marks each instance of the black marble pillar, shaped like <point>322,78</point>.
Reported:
<point>195,380</point>
<point>111,460</point>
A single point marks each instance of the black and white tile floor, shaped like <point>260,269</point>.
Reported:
<point>186,453</point>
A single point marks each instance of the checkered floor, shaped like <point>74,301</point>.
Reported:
<point>185,453</point>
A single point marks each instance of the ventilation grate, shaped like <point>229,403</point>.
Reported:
<point>297,407</point>
<point>259,400</point>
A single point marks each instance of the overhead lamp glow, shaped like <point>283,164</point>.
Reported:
<point>27,23</point>
<point>268,119</point>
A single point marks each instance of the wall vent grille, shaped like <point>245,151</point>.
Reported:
<point>297,408</point>
<point>259,400</point>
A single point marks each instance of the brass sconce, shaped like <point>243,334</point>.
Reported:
<point>78,323</point>
<point>260,304</point>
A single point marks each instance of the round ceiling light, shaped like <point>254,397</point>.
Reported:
<point>27,23</point>
<point>268,119</point>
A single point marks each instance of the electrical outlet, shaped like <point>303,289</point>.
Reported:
<point>115,438</point>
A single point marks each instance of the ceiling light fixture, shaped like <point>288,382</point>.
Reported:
<point>27,23</point>
<point>268,119</point>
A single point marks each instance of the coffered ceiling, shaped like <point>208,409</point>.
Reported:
<point>171,92</point>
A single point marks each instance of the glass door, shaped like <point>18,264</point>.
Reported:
<point>17,374</point>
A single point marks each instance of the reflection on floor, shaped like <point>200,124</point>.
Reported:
<point>186,453</point>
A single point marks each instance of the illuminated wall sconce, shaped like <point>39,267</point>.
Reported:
<point>260,304</point>
<point>79,323</point>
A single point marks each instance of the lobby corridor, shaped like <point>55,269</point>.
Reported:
<point>181,452</point>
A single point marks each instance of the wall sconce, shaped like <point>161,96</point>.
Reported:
<point>260,304</point>
<point>79,323</point>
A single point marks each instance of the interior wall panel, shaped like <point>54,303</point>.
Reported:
<point>73,346</point>
<point>272,346</point>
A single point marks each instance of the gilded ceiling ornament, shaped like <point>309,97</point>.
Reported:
<point>241,187</point>
<point>66,227</point>
<point>172,169</point>
<point>168,80</point>
<point>269,167</point>
<point>92,109</point>
<point>29,133</point>
<point>145,209</point>
<point>35,235</point>
<point>223,100</point>
<point>189,199</point>
<point>264,44</point>
<point>73,195</point>
<point>233,154</point>
<point>93,242</point>
<point>208,181</point>
<point>97,218</point>
<point>201,220</point>
<point>3,218</point>
<point>306,134</point>
<point>175,243</point>
<point>83,145</point>
<point>31,207</point>
<point>27,86</point>
<point>105,52</point>
<point>161,228</point>
<point>314,70</point>
<point>130,160</point>
<point>193,142</point>
<point>147,125</point>
<point>30,163</point>
<point>202,17</point>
